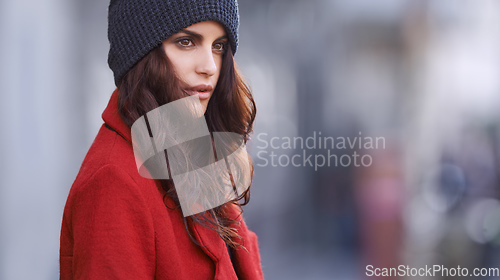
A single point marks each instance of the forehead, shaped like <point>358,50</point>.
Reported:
<point>207,28</point>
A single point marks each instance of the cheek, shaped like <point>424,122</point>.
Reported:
<point>218,62</point>
<point>181,65</point>
<point>178,61</point>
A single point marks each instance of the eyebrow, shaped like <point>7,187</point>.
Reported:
<point>199,36</point>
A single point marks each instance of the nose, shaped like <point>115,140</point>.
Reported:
<point>206,62</point>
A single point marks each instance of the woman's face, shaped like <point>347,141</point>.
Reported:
<point>196,55</point>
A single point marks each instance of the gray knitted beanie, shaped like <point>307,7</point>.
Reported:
<point>135,27</point>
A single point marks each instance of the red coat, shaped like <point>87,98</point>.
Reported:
<point>116,224</point>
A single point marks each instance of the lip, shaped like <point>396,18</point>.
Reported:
<point>203,91</point>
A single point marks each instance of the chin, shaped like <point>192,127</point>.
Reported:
<point>204,107</point>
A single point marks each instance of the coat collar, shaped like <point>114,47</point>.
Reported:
<point>113,120</point>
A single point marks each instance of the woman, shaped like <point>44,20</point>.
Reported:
<point>118,224</point>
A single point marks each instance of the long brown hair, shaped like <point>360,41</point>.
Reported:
<point>152,82</point>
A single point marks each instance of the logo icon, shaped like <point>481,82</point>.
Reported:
<point>173,142</point>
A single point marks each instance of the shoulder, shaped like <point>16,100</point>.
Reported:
<point>108,149</point>
<point>107,199</point>
<point>108,192</point>
<point>109,170</point>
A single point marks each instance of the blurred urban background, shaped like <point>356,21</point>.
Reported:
<point>422,75</point>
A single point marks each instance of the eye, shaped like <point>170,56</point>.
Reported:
<point>184,42</point>
<point>219,47</point>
